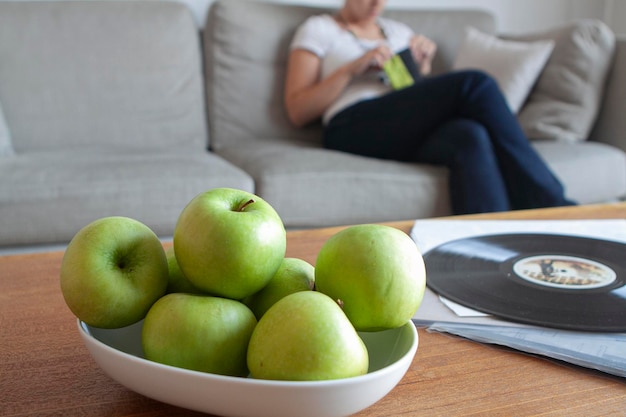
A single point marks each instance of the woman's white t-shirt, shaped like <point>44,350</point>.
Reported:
<point>336,46</point>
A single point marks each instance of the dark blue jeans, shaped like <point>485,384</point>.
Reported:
<point>459,120</point>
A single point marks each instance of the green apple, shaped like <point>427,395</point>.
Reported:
<point>293,275</point>
<point>177,281</point>
<point>199,332</point>
<point>229,242</point>
<point>376,271</point>
<point>113,270</point>
<point>306,336</point>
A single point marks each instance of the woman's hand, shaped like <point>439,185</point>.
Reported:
<point>374,59</point>
<point>423,50</point>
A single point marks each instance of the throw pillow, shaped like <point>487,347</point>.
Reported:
<point>515,65</point>
<point>6,148</point>
<point>566,99</point>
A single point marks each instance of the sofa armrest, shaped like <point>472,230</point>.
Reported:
<point>611,124</point>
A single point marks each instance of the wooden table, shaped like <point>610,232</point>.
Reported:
<point>45,369</point>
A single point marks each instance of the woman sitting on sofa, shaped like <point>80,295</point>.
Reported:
<point>460,119</point>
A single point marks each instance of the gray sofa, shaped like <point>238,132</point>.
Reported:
<point>125,108</point>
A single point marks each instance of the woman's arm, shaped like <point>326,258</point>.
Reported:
<point>306,96</point>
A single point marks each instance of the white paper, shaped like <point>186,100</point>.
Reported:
<point>460,310</point>
<point>602,351</point>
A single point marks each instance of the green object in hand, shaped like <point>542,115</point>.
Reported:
<point>397,73</point>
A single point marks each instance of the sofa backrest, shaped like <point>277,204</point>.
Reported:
<point>100,75</point>
<point>246,47</point>
<point>611,124</point>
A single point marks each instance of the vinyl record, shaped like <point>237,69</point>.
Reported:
<point>565,282</point>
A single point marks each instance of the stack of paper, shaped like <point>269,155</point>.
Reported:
<point>602,351</point>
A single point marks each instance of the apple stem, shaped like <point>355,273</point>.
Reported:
<point>246,204</point>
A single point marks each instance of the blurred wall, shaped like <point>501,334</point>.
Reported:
<point>513,16</point>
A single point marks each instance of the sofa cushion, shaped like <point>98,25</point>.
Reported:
<point>101,74</point>
<point>567,98</point>
<point>246,45</point>
<point>150,187</point>
<point>611,124</point>
<point>514,65</point>
<point>591,172</point>
<point>6,147</point>
<point>309,186</point>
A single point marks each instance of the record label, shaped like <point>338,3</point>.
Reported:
<point>566,282</point>
<point>567,272</point>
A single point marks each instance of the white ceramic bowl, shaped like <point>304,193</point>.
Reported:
<point>118,352</point>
